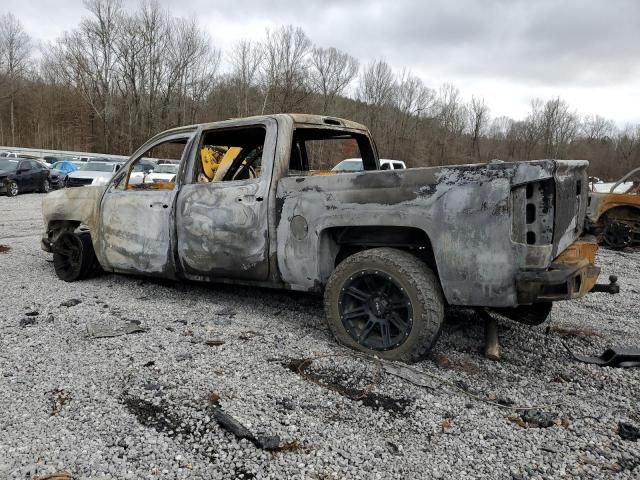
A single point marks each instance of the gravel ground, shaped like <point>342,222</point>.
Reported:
<point>142,405</point>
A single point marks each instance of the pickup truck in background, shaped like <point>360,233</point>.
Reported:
<point>256,202</point>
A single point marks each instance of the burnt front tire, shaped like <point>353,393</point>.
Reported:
<point>385,302</point>
<point>73,256</point>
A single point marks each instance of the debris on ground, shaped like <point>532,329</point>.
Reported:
<point>628,432</point>
<point>32,313</point>
<point>4,248</point>
<point>248,335</point>
<point>72,302</point>
<point>54,476</point>
<point>101,331</point>
<point>25,322</point>
<point>215,342</point>
<point>623,357</point>
<point>573,332</point>
<point>539,418</point>
<point>58,398</point>
<point>230,424</point>
<point>409,374</point>
<point>213,397</point>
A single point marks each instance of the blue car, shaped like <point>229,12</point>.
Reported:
<point>61,169</point>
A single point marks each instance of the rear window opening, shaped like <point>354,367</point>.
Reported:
<point>322,151</point>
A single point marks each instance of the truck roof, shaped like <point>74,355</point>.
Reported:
<point>297,118</point>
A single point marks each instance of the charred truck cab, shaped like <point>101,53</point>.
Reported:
<point>256,202</point>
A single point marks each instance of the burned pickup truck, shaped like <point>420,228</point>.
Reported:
<point>255,202</point>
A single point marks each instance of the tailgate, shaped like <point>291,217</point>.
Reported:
<point>571,195</point>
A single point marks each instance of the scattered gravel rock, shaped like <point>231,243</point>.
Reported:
<point>338,416</point>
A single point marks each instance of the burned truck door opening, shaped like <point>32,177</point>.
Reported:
<point>222,213</point>
<point>136,214</point>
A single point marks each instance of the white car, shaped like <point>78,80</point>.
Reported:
<point>92,173</point>
<point>606,187</point>
<point>355,165</point>
<point>165,172</point>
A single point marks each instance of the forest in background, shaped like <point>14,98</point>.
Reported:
<point>121,76</point>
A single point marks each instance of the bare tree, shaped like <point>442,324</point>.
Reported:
<point>194,67</point>
<point>478,120</point>
<point>628,143</point>
<point>451,116</point>
<point>87,59</point>
<point>377,85</point>
<point>559,127</point>
<point>331,73</point>
<point>285,76</point>
<point>596,127</point>
<point>376,89</point>
<point>15,57</point>
<point>449,109</point>
<point>245,58</point>
<point>413,101</point>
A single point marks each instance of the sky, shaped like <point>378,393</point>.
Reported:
<point>505,51</point>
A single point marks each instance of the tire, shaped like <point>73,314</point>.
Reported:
<point>46,186</point>
<point>407,299</point>
<point>12,189</point>
<point>73,256</point>
<point>616,234</point>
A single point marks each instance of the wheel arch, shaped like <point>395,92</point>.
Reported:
<point>619,208</point>
<point>336,243</point>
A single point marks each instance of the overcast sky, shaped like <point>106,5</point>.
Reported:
<point>507,51</point>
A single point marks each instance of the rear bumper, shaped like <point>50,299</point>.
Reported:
<point>572,275</point>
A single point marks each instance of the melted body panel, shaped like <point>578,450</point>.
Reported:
<point>464,210</point>
<point>616,206</point>
<point>134,231</point>
<point>276,230</point>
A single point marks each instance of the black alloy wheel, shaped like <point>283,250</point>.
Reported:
<point>375,310</point>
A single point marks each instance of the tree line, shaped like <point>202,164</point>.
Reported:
<point>121,76</point>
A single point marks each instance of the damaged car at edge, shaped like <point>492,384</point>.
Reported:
<point>255,202</point>
<point>614,211</point>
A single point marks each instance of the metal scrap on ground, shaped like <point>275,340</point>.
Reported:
<point>101,331</point>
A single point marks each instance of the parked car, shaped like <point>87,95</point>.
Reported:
<point>21,175</point>
<point>355,165</point>
<point>141,170</point>
<point>389,249</point>
<point>66,166</point>
<point>58,172</point>
<point>92,173</point>
<point>163,173</point>
<point>614,211</point>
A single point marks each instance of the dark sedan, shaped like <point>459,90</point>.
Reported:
<point>20,175</point>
